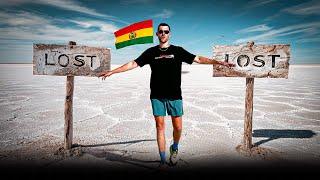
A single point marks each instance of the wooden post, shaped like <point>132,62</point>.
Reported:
<point>68,110</point>
<point>247,136</point>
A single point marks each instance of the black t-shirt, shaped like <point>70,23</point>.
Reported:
<point>165,67</point>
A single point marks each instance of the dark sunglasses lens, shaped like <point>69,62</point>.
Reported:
<point>161,31</point>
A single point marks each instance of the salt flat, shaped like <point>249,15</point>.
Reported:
<point>113,120</point>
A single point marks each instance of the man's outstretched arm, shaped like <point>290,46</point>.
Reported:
<point>204,60</point>
<point>126,67</point>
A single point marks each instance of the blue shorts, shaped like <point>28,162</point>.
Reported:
<point>162,106</point>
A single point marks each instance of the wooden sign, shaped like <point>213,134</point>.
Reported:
<point>253,61</point>
<point>70,60</point>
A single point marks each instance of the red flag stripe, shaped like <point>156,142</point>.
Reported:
<point>134,27</point>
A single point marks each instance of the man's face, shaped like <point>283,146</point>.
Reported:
<point>163,34</point>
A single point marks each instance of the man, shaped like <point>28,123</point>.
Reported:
<point>165,61</point>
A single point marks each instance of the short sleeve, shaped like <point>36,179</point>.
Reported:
<point>144,58</point>
<point>186,56</point>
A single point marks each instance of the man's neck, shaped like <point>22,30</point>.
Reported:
<point>164,45</point>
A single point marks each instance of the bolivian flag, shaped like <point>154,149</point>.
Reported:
<point>137,33</point>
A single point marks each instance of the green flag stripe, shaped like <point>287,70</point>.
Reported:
<point>142,40</point>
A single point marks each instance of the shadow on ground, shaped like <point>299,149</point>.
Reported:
<point>272,134</point>
<point>122,156</point>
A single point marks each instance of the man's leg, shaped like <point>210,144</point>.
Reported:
<point>160,125</point>
<point>177,129</point>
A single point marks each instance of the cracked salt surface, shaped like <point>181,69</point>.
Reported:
<point>116,114</point>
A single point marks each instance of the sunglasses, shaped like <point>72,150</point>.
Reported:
<point>165,31</point>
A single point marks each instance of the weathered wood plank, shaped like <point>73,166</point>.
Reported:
<point>68,113</point>
<point>70,60</point>
<point>253,61</point>
<point>68,109</point>
<point>247,136</point>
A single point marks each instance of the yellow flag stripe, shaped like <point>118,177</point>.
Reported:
<point>139,33</point>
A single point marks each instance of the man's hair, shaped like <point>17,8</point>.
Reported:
<point>163,24</point>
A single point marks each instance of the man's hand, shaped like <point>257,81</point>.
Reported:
<point>229,65</point>
<point>105,74</point>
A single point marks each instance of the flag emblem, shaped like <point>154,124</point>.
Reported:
<point>132,35</point>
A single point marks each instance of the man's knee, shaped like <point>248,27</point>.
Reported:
<point>177,128</point>
<point>160,125</point>
<point>177,123</point>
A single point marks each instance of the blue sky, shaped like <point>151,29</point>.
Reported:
<point>196,25</point>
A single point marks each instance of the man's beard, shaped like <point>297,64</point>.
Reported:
<point>164,40</point>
